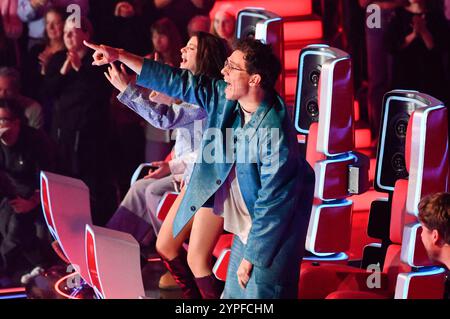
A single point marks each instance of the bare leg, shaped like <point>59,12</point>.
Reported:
<point>166,245</point>
<point>174,257</point>
<point>205,232</point>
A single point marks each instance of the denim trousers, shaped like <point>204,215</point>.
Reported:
<point>256,288</point>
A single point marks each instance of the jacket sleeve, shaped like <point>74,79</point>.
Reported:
<point>274,207</point>
<point>158,114</point>
<point>180,84</point>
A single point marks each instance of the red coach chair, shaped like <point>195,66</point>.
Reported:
<point>324,111</point>
<point>403,273</point>
<point>113,260</point>
<point>66,207</point>
<point>428,167</point>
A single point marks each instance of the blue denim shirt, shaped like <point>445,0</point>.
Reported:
<point>277,185</point>
<point>188,120</point>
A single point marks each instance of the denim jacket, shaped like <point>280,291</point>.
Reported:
<point>277,184</point>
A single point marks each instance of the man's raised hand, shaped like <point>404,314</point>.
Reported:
<point>103,54</point>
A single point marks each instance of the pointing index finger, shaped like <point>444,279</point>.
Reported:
<point>91,45</point>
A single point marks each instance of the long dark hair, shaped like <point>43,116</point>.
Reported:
<point>168,28</point>
<point>211,54</point>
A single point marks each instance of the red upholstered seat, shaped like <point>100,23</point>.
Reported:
<point>165,204</point>
<point>329,150</point>
<point>113,260</point>
<point>421,284</point>
<point>428,172</point>
<point>66,207</point>
<point>312,155</point>
<point>221,265</point>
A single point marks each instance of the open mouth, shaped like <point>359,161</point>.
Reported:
<point>228,87</point>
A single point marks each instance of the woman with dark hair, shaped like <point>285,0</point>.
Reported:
<point>204,54</point>
<point>166,41</point>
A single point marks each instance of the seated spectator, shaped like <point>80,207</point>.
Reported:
<point>434,216</point>
<point>24,152</point>
<point>417,37</point>
<point>10,88</point>
<point>32,12</point>
<point>80,118</point>
<point>204,54</point>
<point>224,25</point>
<point>199,24</point>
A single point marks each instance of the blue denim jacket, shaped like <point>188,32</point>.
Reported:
<point>278,193</point>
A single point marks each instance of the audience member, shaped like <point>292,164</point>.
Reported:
<point>199,24</point>
<point>166,44</point>
<point>24,151</point>
<point>10,31</point>
<point>32,12</point>
<point>417,37</point>
<point>10,23</point>
<point>80,119</point>
<point>224,25</point>
<point>39,57</point>
<point>127,30</point>
<point>434,216</point>
<point>379,60</point>
<point>182,11</point>
<point>10,88</point>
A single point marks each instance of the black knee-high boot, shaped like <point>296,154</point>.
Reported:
<point>210,287</point>
<point>182,274</point>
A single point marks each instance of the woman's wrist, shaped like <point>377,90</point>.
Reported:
<point>121,54</point>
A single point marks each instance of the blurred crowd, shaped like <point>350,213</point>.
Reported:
<point>52,97</point>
